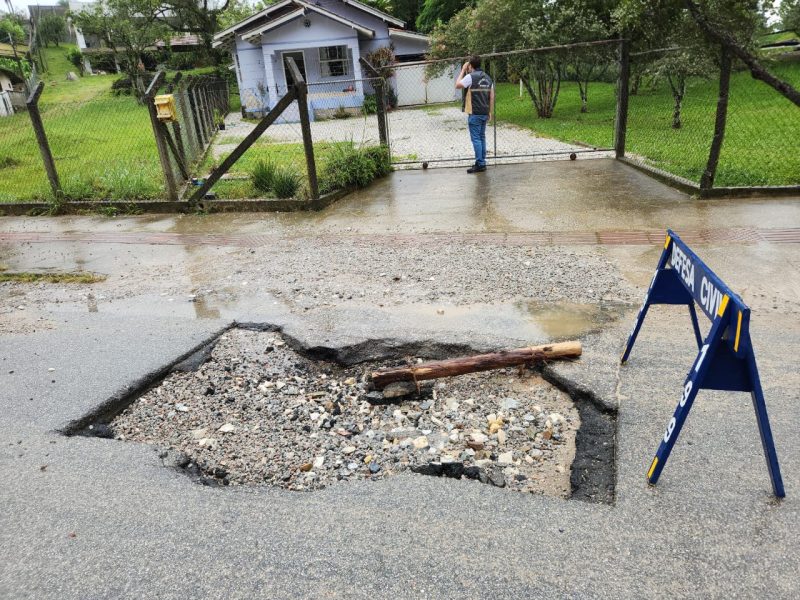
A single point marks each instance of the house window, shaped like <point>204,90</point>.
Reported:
<point>333,61</point>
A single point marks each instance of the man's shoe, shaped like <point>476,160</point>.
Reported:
<point>476,169</point>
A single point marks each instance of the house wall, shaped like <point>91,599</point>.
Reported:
<point>295,36</point>
<point>252,77</point>
<point>5,83</point>
<point>407,46</point>
<point>378,25</point>
<point>6,109</point>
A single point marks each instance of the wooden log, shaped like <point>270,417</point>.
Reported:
<point>473,364</point>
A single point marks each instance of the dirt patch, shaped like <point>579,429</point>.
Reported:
<point>255,411</point>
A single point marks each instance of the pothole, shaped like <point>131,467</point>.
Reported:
<point>254,409</point>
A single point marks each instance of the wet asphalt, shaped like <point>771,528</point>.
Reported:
<point>94,518</point>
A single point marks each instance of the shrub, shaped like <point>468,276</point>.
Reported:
<point>263,175</point>
<point>285,183</point>
<point>103,61</point>
<point>75,56</point>
<point>181,61</point>
<point>7,162</point>
<point>370,104</point>
<point>123,86</point>
<point>348,166</point>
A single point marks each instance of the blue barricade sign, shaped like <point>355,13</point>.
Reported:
<point>726,360</point>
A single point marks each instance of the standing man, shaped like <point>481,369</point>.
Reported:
<point>478,103</point>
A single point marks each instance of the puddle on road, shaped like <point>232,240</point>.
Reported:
<point>521,319</point>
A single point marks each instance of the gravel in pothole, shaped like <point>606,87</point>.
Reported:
<point>257,412</point>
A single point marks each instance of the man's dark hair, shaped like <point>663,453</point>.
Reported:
<point>475,61</point>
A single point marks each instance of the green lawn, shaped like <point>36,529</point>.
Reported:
<point>760,142</point>
<point>102,144</point>
<point>288,155</point>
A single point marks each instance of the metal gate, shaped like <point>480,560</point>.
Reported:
<point>428,128</point>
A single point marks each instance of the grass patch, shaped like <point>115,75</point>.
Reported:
<point>25,277</point>
<point>339,165</point>
<point>286,182</point>
<point>760,139</point>
<point>350,166</point>
<point>102,144</point>
<point>263,175</point>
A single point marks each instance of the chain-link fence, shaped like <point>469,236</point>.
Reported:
<point>103,145</point>
<point>671,120</point>
<point>202,103</point>
<point>342,114</point>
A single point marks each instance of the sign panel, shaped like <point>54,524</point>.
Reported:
<point>725,360</point>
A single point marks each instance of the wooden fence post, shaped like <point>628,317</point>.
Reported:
<point>41,137</point>
<point>161,144</point>
<point>707,179</point>
<point>305,127</point>
<point>380,101</point>
<point>623,91</point>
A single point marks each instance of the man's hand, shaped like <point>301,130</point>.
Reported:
<point>464,69</point>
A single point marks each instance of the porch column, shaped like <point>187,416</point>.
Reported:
<point>354,52</point>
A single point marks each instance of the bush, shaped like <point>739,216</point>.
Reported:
<point>123,86</point>
<point>370,104</point>
<point>182,61</point>
<point>263,175</point>
<point>76,58</point>
<point>285,183</point>
<point>103,61</point>
<point>348,166</point>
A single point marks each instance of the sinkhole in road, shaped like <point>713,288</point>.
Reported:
<point>253,406</point>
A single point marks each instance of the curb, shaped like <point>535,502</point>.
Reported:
<point>21,209</point>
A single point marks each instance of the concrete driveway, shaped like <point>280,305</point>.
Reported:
<point>94,518</point>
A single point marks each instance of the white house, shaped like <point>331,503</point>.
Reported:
<point>326,39</point>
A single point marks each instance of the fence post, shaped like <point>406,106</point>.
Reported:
<point>161,144</point>
<point>380,100</point>
<point>623,90</point>
<point>305,127</point>
<point>41,137</point>
<point>195,112</point>
<point>181,97</point>
<point>707,179</point>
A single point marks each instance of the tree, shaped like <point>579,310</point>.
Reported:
<point>238,10</point>
<point>790,15</point>
<point>502,25</point>
<point>586,21</point>
<point>200,17</point>
<point>731,25</point>
<point>677,67</point>
<point>128,27</point>
<point>438,12</point>
<point>9,26</point>
<point>51,29</point>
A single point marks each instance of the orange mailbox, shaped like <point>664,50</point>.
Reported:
<point>165,107</point>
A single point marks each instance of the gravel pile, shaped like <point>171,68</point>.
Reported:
<point>258,412</point>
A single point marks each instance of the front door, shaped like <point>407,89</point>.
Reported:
<point>298,59</point>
